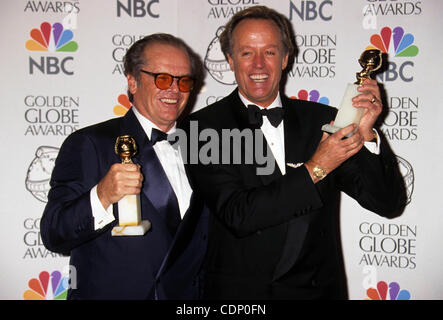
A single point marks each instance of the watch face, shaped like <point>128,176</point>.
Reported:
<point>319,172</point>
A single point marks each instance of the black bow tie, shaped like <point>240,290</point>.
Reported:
<point>157,135</point>
<point>275,115</point>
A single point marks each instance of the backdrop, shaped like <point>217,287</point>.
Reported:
<point>62,70</point>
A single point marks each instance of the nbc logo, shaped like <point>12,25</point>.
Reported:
<point>402,43</point>
<point>382,290</point>
<point>312,95</point>
<point>47,287</point>
<point>51,38</point>
<point>123,106</point>
<point>396,43</point>
<point>54,39</point>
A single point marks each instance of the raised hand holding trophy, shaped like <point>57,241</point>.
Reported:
<point>129,210</point>
<point>370,60</point>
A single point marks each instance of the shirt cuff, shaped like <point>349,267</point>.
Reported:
<point>374,147</point>
<point>101,216</point>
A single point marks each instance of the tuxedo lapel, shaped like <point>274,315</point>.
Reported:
<point>184,232</point>
<point>294,153</point>
<point>156,187</point>
<point>293,134</point>
<point>131,126</point>
<point>239,112</point>
<point>301,136</point>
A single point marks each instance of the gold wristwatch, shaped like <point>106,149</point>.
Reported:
<point>319,172</point>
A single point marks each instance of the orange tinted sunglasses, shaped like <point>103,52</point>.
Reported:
<point>164,81</point>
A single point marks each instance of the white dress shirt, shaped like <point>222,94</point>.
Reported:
<point>172,163</point>
<point>276,138</point>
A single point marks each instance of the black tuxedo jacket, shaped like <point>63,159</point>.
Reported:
<point>154,266</point>
<point>276,236</point>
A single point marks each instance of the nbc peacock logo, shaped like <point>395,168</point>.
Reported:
<point>313,95</point>
<point>52,38</point>
<point>123,105</point>
<point>47,286</point>
<point>399,44</point>
<point>394,42</point>
<point>383,289</point>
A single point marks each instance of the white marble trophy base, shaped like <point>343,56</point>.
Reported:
<point>137,230</point>
<point>347,114</point>
<point>129,218</point>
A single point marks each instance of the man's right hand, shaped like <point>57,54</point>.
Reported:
<point>334,149</point>
<point>119,181</point>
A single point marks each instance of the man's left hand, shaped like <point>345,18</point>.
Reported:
<point>370,100</point>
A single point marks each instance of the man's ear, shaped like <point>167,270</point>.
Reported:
<point>132,84</point>
<point>231,62</point>
<point>285,61</point>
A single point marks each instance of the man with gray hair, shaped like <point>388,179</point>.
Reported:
<point>89,179</point>
<point>276,236</point>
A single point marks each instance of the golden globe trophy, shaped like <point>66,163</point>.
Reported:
<point>129,210</point>
<point>370,60</point>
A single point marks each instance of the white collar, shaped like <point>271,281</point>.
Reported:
<point>147,124</point>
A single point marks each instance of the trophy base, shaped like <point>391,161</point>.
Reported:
<point>333,129</point>
<point>137,230</point>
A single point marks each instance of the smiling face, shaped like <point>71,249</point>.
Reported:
<point>258,59</point>
<point>162,107</point>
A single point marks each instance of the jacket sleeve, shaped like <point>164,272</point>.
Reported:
<point>67,220</point>
<point>244,209</point>
<point>375,181</point>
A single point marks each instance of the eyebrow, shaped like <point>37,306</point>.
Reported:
<point>274,46</point>
<point>163,72</point>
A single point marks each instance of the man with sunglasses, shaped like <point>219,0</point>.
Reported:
<point>89,179</point>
